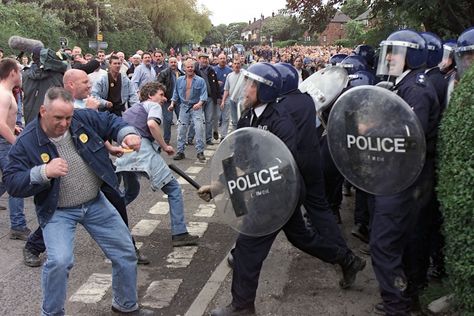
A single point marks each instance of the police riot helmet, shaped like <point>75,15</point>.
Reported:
<point>354,63</point>
<point>464,51</point>
<point>361,78</point>
<point>402,50</point>
<point>435,49</point>
<point>367,52</point>
<point>447,62</point>
<point>268,81</point>
<point>336,59</point>
<point>289,77</point>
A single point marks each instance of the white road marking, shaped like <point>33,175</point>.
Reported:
<point>205,210</point>
<point>193,170</point>
<point>160,293</point>
<point>145,227</point>
<point>93,290</point>
<point>182,181</point>
<point>199,306</point>
<point>197,228</point>
<point>181,257</point>
<point>160,208</point>
<point>209,153</point>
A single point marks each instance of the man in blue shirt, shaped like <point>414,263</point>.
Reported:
<point>190,92</point>
<point>143,73</point>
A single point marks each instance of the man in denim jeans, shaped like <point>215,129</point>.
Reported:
<point>10,77</point>
<point>147,117</point>
<point>191,93</point>
<point>61,160</point>
<point>229,106</point>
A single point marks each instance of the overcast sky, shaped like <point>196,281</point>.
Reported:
<point>225,12</point>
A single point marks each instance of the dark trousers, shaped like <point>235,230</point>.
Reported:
<point>397,235</point>
<point>250,252</point>
<point>35,242</point>
<point>361,210</point>
<point>168,119</point>
<point>332,177</point>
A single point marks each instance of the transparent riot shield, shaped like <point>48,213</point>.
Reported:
<point>255,181</point>
<point>325,86</point>
<point>376,140</point>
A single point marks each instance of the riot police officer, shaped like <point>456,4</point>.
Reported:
<point>464,51</point>
<point>263,84</point>
<point>301,108</point>
<point>435,56</point>
<point>393,239</point>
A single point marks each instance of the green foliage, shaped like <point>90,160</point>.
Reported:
<point>28,20</point>
<point>283,27</point>
<point>355,34</point>
<point>456,189</point>
<point>354,8</point>
<point>132,34</point>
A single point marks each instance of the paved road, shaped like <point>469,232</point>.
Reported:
<point>169,285</point>
<point>182,281</point>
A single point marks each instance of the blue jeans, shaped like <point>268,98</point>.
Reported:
<point>15,205</point>
<point>105,226</point>
<point>168,119</point>
<point>209,116</point>
<point>175,199</point>
<point>186,115</point>
<point>230,109</point>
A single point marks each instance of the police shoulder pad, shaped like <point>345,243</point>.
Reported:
<point>421,79</point>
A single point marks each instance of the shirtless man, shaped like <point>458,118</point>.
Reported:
<point>10,77</point>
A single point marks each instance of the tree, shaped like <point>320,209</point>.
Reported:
<point>316,14</point>
<point>355,34</point>
<point>34,24</point>
<point>445,18</point>
<point>354,8</point>
<point>282,28</point>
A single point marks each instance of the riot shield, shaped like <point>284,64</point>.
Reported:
<point>376,140</point>
<point>255,181</point>
<point>325,86</point>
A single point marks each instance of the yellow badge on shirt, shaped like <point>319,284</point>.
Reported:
<point>83,138</point>
<point>45,157</point>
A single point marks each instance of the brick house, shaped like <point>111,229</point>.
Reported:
<point>334,30</point>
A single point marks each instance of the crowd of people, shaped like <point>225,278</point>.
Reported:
<point>60,120</point>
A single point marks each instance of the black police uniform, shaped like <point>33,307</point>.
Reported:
<point>440,83</point>
<point>399,220</point>
<point>250,252</point>
<point>301,108</point>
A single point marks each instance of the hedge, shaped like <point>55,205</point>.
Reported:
<point>456,190</point>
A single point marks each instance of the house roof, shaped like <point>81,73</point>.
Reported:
<point>257,25</point>
<point>340,17</point>
<point>364,16</point>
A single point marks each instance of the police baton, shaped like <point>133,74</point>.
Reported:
<point>185,176</point>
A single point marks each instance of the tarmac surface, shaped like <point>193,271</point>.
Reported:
<point>187,280</point>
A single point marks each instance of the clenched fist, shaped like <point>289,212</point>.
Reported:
<point>56,168</point>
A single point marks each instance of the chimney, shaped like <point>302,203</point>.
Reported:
<point>254,20</point>
<point>273,14</point>
<point>250,22</point>
<point>263,18</point>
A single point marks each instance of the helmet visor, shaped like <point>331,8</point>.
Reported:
<point>464,58</point>
<point>447,60</point>
<point>392,58</point>
<point>246,90</point>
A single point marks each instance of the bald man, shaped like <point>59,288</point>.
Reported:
<point>78,84</point>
